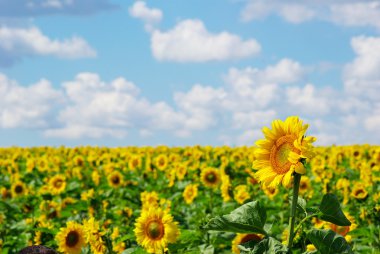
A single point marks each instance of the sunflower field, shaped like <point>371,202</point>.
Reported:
<point>161,199</point>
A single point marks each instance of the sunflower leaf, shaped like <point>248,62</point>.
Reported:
<point>331,211</point>
<point>248,218</point>
<point>266,246</point>
<point>329,242</point>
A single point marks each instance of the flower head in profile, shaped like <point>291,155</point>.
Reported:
<point>282,152</point>
<point>154,229</point>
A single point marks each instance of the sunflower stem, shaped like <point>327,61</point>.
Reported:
<point>292,218</point>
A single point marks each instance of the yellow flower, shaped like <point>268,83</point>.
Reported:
<point>149,199</point>
<point>190,192</point>
<point>115,179</point>
<point>71,238</point>
<point>161,162</point>
<point>93,236</point>
<point>241,194</point>
<point>310,247</point>
<point>359,191</point>
<point>57,184</point>
<point>154,229</point>
<point>135,162</point>
<point>281,152</point>
<point>243,238</point>
<point>225,188</point>
<point>270,192</point>
<point>210,177</point>
<point>18,189</point>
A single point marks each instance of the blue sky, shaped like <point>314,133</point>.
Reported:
<point>117,73</point>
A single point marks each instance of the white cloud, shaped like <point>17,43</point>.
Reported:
<point>308,100</point>
<point>189,41</point>
<point>26,106</point>
<point>362,75</point>
<point>362,13</point>
<point>151,17</point>
<point>372,122</point>
<point>16,43</point>
<point>345,12</point>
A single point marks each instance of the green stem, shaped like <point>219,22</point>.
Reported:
<point>303,220</point>
<point>292,218</point>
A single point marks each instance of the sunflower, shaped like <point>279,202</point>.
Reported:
<point>93,236</point>
<point>71,238</point>
<point>154,229</point>
<point>161,162</point>
<point>243,238</point>
<point>57,184</point>
<point>270,192</point>
<point>134,162</point>
<point>210,177</point>
<point>18,189</point>
<point>149,199</point>
<point>225,188</point>
<point>282,152</point>
<point>359,191</point>
<point>241,193</point>
<point>190,192</point>
<point>115,179</point>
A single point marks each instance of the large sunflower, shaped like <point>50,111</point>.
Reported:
<point>71,238</point>
<point>154,229</point>
<point>282,152</point>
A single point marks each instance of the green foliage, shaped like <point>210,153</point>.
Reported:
<point>268,245</point>
<point>248,218</point>
<point>331,211</point>
<point>328,242</point>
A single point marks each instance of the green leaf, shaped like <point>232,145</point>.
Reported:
<point>332,212</point>
<point>248,218</point>
<point>329,242</point>
<point>268,245</point>
<point>136,250</point>
<point>206,249</point>
<point>301,203</point>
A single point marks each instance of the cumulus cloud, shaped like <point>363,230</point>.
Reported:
<point>362,76</point>
<point>17,43</point>
<point>150,16</point>
<point>26,106</point>
<point>308,100</point>
<point>11,8</point>
<point>190,41</point>
<point>346,12</point>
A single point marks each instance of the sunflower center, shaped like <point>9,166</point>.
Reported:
<point>250,237</point>
<point>18,189</point>
<point>211,177</point>
<point>155,230</point>
<point>58,183</point>
<point>115,180</point>
<point>280,153</point>
<point>72,238</point>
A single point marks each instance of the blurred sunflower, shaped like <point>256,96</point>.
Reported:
<point>154,229</point>
<point>134,162</point>
<point>241,193</point>
<point>243,238</point>
<point>57,184</point>
<point>282,151</point>
<point>359,191</point>
<point>115,179</point>
<point>71,238</point>
<point>210,177</point>
<point>93,235</point>
<point>225,188</point>
<point>190,192</point>
<point>18,189</point>
<point>161,162</point>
